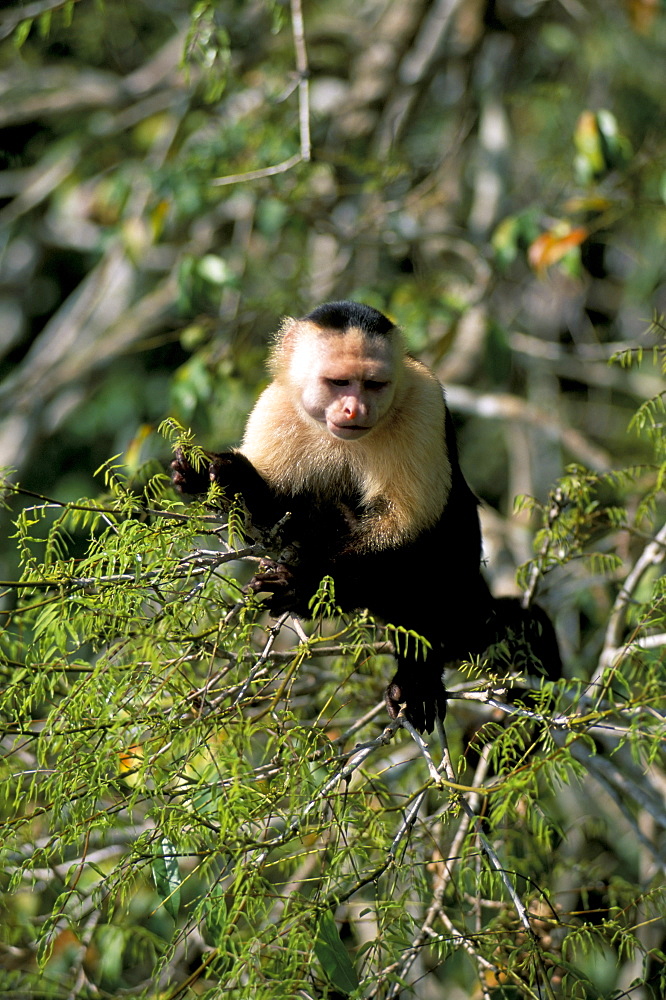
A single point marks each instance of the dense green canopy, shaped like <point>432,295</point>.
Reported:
<point>194,801</point>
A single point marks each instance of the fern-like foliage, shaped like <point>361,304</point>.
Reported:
<point>196,797</point>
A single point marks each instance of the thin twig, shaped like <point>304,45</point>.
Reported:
<point>423,747</point>
<point>255,175</point>
<point>613,650</point>
<point>495,863</point>
<point>274,631</point>
<point>302,69</point>
<point>435,911</point>
<point>340,776</point>
<point>305,152</point>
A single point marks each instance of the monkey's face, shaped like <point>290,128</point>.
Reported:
<point>347,382</point>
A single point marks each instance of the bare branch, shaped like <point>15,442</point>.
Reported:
<point>653,554</point>
<point>504,406</point>
<point>303,70</point>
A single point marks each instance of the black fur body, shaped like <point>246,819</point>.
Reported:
<point>430,583</point>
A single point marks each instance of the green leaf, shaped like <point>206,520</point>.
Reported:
<point>166,876</point>
<point>22,32</point>
<point>44,22</point>
<point>333,955</point>
<point>215,269</point>
<point>217,918</point>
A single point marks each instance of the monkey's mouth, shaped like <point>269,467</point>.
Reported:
<point>348,432</point>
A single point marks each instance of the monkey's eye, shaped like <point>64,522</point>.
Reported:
<point>374,386</point>
<point>338,381</point>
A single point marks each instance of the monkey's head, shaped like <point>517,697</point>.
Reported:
<point>346,363</point>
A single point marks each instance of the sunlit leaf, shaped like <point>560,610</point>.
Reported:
<point>551,247</point>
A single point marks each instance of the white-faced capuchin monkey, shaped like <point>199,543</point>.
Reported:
<point>354,439</point>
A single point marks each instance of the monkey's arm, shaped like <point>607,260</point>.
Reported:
<point>232,472</point>
<point>290,581</point>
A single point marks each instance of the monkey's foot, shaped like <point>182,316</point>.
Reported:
<point>423,699</point>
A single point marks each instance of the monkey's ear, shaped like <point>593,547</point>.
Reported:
<point>288,331</point>
<point>283,342</point>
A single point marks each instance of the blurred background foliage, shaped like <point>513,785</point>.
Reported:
<point>177,176</point>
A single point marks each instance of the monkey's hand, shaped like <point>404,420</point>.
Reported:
<point>234,474</point>
<point>280,582</point>
<point>419,694</point>
<point>188,479</point>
